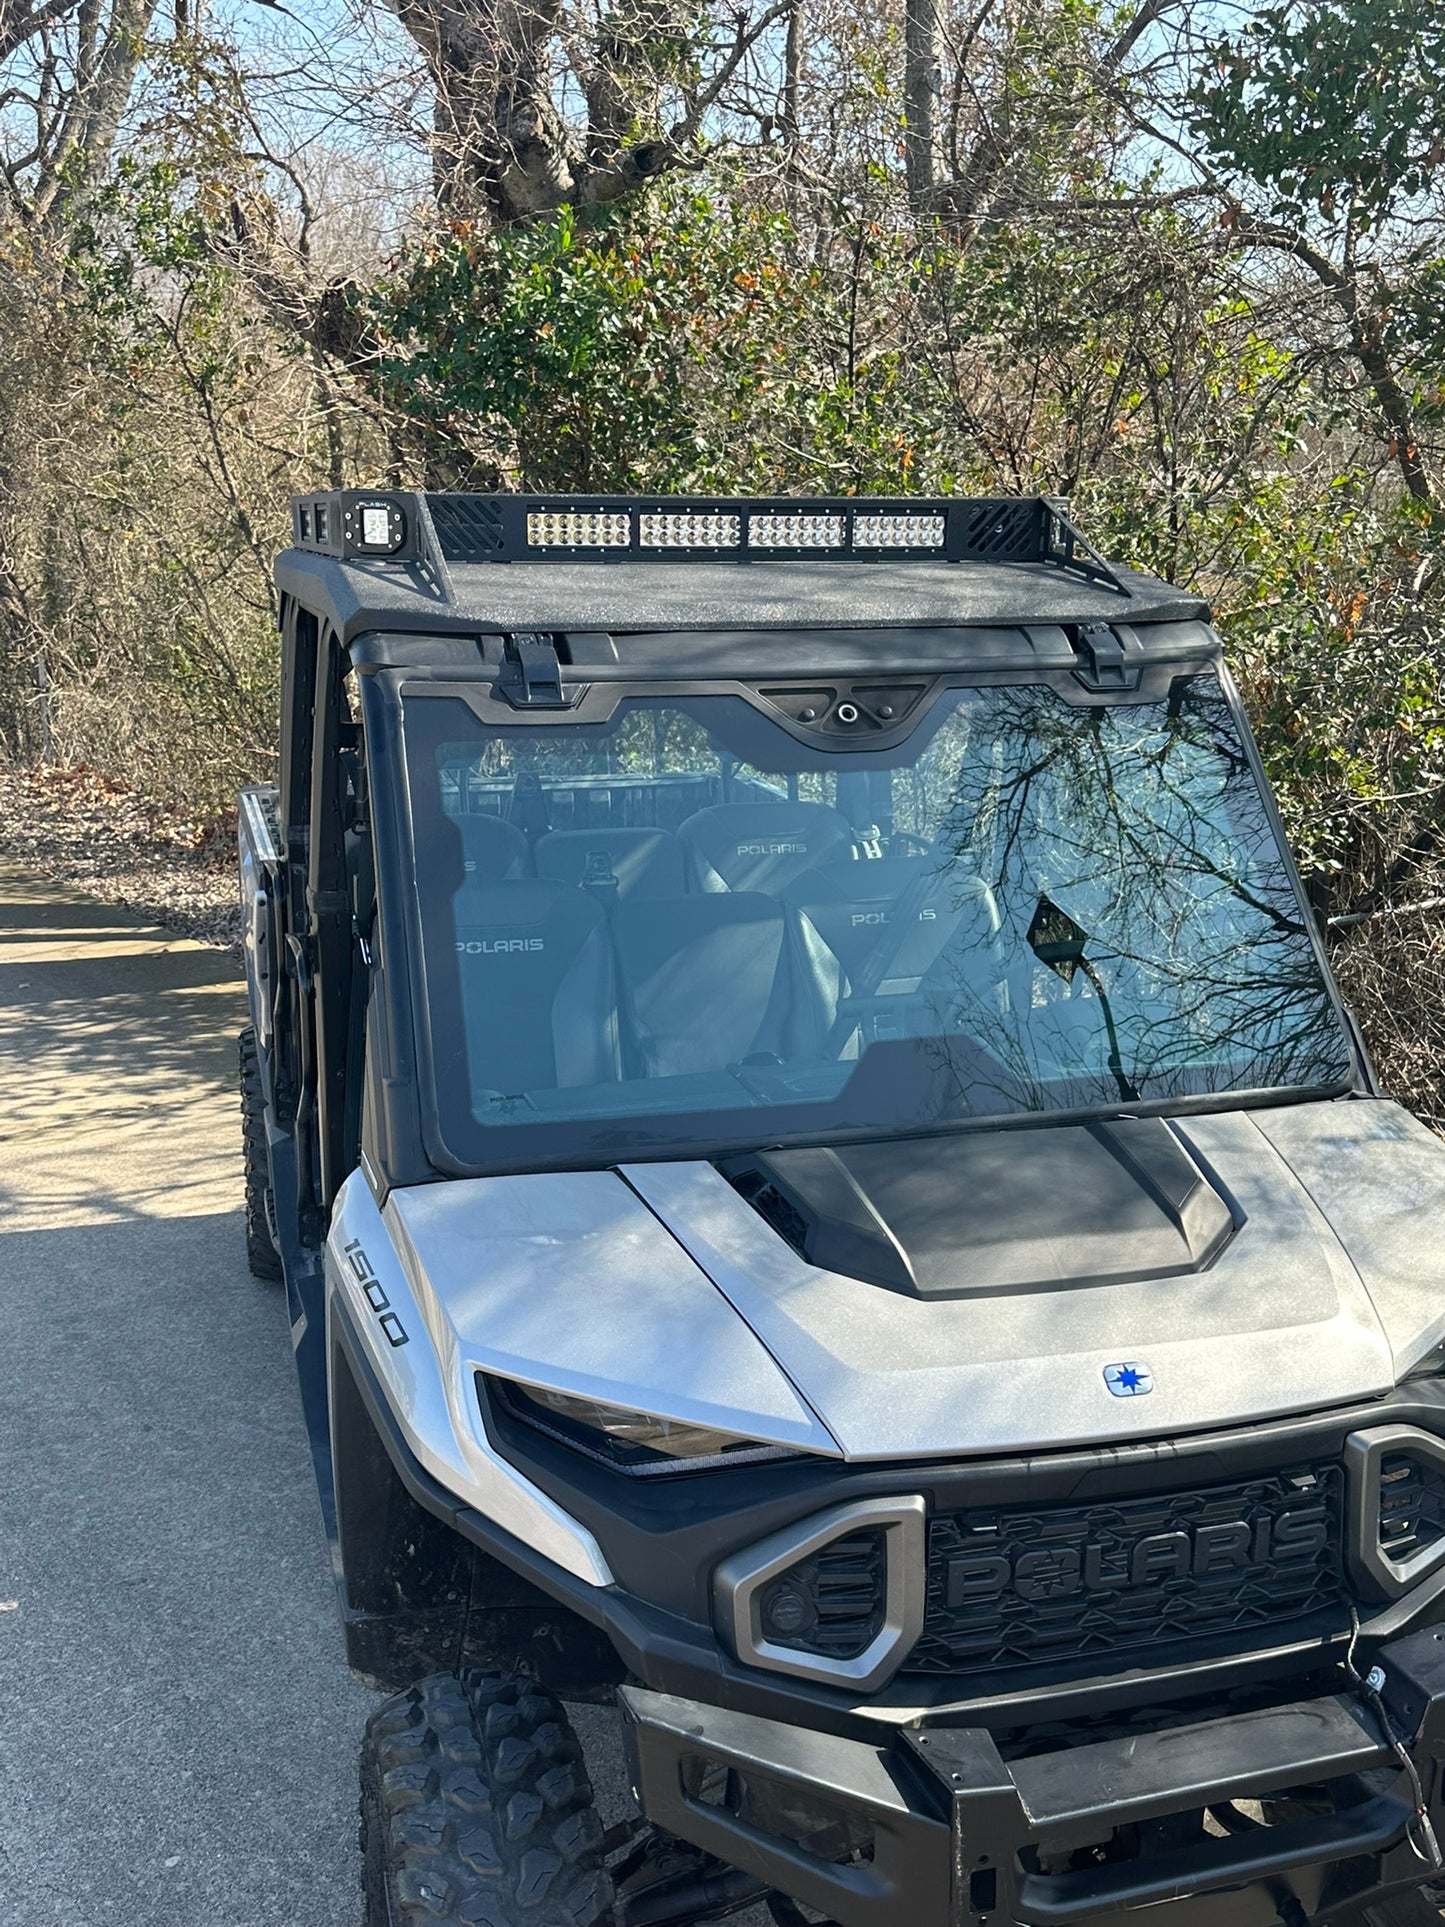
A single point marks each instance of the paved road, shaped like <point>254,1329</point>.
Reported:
<point>178,1729</point>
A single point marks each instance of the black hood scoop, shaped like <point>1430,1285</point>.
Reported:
<point>990,1211</point>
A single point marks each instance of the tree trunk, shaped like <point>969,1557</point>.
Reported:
<point>1368,345</point>
<point>93,114</point>
<point>922,78</point>
<point>501,148</point>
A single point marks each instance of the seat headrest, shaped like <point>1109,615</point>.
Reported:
<point>761,846</point>
<point>866,881</point>
<point>491,849</point>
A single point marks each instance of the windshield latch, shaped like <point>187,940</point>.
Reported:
<point>1101,661</point>
<point>531,675</point>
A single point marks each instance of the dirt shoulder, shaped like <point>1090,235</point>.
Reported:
<point>77,827</point>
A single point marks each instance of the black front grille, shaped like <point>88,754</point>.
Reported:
<point>1032,1586</point>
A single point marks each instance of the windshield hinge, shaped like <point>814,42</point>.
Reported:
<point>1101,662</point>
<point>532,674</point>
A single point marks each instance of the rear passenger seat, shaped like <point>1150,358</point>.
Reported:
<point>855,909</point>
<point>761,846</point>
<point>645,863</point>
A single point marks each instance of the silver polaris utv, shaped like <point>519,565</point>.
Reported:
<point>826,1195</point>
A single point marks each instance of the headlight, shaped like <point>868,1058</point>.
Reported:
<point>638,1442</point>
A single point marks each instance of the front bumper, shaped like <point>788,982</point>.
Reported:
<point>936,1830</point>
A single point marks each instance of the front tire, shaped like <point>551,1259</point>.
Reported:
<point>476,1810</point>
<point>261,1253</point>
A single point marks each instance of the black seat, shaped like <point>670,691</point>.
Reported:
<point>887,921</point>
<point>538,989</point>
<point>708,981</point>
<point>491,849</point>
<point>761,846</point>
<point>646,863</point>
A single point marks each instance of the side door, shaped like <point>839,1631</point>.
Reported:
<point>325,917</point>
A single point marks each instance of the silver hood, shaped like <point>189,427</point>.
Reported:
<point>661,1288</point>
<point>567,1280</point>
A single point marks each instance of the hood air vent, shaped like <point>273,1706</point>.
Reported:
<point>770,1203</point>
<point>989,1211</point>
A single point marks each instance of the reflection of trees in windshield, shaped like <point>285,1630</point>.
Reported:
<point>1146,828</point>
<point>1028,904</point>
<point>646,740</point>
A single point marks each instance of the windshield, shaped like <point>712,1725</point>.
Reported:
<point>684,929</point>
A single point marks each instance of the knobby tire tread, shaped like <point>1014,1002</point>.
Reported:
<point>476,1810</point>
<point>261,1253</point>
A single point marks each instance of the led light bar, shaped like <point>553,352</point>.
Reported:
<point>441,530</point>
<point>898,531</point>
<point>578,529</point>
<point>795,531</point>
<point>656,530</point>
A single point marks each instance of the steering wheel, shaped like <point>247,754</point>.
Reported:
<point>919,845</point>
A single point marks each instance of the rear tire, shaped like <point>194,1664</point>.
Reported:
<point>260,1250</point>
<point>476,1810</point>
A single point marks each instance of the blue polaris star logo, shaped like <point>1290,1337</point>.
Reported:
<point>1128,1381</point>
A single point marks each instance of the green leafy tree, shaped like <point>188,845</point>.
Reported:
<point>688,342</point>
<point>1325,123</point>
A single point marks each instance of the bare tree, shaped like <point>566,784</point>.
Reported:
<point>73,66</point>
<point>535,106</point>
<point>997,132</point>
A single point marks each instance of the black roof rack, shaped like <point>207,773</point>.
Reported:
<point>435,530</point>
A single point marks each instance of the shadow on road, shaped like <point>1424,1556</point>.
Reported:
<point>177,1726</point>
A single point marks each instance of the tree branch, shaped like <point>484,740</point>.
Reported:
<point>16,28</point>
<point>1367,343</point>
<point>645,160</point>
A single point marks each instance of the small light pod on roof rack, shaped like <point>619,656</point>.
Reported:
<point>659,530</point>
<point>795,531</point>
<point>898,531</point>
<point>578,529</point>
<point>375,527</point>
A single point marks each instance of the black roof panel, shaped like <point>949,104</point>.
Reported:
<point>618,596</point>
